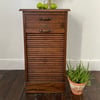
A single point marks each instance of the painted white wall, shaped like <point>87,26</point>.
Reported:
<point>83,32</point>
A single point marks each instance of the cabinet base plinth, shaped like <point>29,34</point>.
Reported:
<point>45,87</point>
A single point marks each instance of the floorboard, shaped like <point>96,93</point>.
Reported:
<point>12,88</point>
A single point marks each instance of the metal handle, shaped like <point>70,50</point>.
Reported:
<point>44,19</point>
<point>44,31</point>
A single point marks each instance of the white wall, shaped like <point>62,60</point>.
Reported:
<point>83,32</point>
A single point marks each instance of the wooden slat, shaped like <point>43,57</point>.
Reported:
<point>44,50</point>
<point>45,60</point>
<point>38,45</point>
<point>45,79</point>
<point>49,52</point>
<point>44,42</point>
<point>46,65</point>
<point>44,37</point>
<point>44,34</point>
<point>45,70</point>
<point>46,56</point>
<point>45,74</point>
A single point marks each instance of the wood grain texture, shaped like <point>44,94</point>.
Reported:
<point>12,88</point>
<point>41,87</point>
<point>11,85</point>
<point>45,50</point>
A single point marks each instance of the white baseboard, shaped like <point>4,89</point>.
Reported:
<point>18,64</point>
<point>11,64</point>
<point>94,65</point>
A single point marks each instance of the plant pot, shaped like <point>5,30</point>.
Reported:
<point>76,88</point>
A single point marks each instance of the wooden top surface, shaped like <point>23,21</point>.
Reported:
<point>45,10</point>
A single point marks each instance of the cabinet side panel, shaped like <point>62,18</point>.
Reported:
<point>25,48</point>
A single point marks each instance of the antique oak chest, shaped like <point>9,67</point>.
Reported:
<point>45,33</point>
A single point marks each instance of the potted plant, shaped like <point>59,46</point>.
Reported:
<point>78,77</point>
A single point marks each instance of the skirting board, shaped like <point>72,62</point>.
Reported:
<point>18,64</point>
<point>11,64</point>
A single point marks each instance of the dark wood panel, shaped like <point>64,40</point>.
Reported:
<point>47,18</point>
<point>45,87</point>
<point>45,26</point>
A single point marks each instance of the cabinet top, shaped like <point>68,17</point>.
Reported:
<point>45,10</point>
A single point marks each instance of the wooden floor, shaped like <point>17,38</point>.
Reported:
<point>12,88</point>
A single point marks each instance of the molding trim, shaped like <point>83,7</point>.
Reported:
<point>94,64</point>
<point>11,64</point>
<point>18,64</point>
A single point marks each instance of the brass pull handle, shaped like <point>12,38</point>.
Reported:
<point>44,31</point>
<point>44,19</point>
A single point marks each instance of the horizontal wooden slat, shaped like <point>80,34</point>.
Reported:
<point>45,60</point>
<point>48,70</point>
<point>46,79</point>
<point>45,49</point>
<point>52,65</point>
<point>45,74</point>
<point>45,56</point>
<point>44,37</point>
<point>43,66</point>
<point>43,40</point>
<point>44,53</point>
<point>43,34</point>
<point>45,45</point>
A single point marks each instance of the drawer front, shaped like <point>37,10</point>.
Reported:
<point>45,18</point>
<point>44,24</point>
